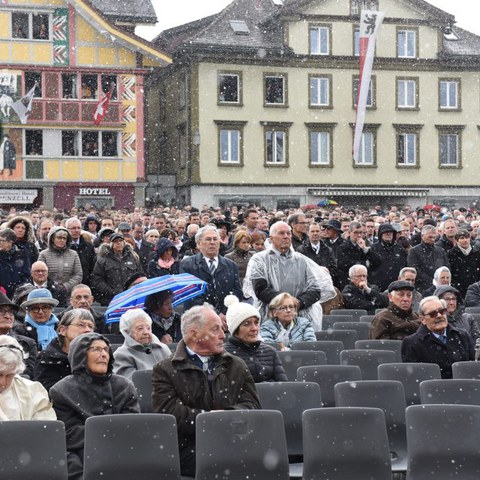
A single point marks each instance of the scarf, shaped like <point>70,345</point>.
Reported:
<point>166,263</point>
<point>45,331</point>
<point>465,251</point>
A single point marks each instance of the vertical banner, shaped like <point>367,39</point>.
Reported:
<point>370,22</point>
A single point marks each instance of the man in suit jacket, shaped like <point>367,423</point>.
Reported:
<point>220,273</point>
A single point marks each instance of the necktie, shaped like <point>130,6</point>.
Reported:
<point>212,266</point>
<point>443,339</point>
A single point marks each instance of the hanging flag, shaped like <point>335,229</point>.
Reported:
<point>370,22</point>
<point>102,107</point>
<point>23,107</point>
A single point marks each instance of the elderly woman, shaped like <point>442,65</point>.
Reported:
<point>20,398</point>
<point>284,327</point>
<point>52,364</point>
<point>152,236</point>
<point>141,350</point>
<point>164,261</point>
<point>40,323</point>
<point>243,322</point>
<point>241,254</point>
<point>166,321</point>
<point>442,276</point>
<point>92,389</point>
<point>25,236</point>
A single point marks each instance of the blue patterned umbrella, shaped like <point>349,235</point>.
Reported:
<point>184,287</point>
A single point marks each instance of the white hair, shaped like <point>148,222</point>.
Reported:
<point>352,270</point>
<point>11,355</point>
<point>203,230</point>
<point>129,317</point>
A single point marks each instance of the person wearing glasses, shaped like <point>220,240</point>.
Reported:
<point>52,364</point>
<point>63,264</point>
<point>40,323</point>
<point>92,389</point>
<point>436,341</point>
<point>284,327</point>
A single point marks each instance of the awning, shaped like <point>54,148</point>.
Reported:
<point>367,192</point>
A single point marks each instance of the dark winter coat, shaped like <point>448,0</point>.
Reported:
<point>393,323</point>
<point>472,297</point>
<point>465,269</point>
<point>145,253</point>
<point>241,258</point>
<point>9,155</point>
<point>357,298</point>
<point>57,290</point>
<point>30,353</point>
<point>83,394</point>
<point>261,359</point>
<point>86,252</point>
<point>426,259</point>
<point>424,347</point>
<point>445,243</point>
<point>154,269</point>
<point>111,272</point>
<point>52,365</point>
<point>335,245</point>
<point>159,330</point>
<point>325,258</point>
<point>26,244</point>
<point>14,269</point>
<point>298,242</point>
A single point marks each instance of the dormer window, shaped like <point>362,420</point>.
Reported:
<point>356,6</point>
<point>240,27</point>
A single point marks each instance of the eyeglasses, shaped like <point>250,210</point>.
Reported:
<point>6,311</point>
<point>99,350</point>
<point>363,275</point>
<point>434,313</point>
<point>285,308</point>
<point>60,237</point>
<point>37,308</point>
<point>83,325</point>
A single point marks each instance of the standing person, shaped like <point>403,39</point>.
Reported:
<point>42,234</point>
<point>333,233</point>
<point>299,225</point>
<point>436,341</point>
<point>241,254</point>
<point>9,154</point>
<point>448,239</point>
<point>200,376</point>
<point>143,248</point>
<point>14,263</point>
<point>83,247</point>
<point>92,389</point>
<point>25,236</point>
<point>64,266</point>
<point>164,259</point>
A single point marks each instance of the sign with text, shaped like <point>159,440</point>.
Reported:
<point>17,196</point>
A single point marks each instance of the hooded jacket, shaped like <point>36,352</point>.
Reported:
<point>154,269</point>
<point>64,265</point>
<point>459,319</point>
<point>28,242</point>
<point>83,394</point>
<point>14,269</point>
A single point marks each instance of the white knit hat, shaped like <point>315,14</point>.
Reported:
<point>238,312</point>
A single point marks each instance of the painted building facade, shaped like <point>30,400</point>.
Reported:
<point>74,53</point>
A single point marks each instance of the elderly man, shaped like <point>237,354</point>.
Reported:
<point>358,294</point>
<point>84,248</point>
<point>426,258</point>
<point>398,320</point>
<point>409,274</point>
<point>436,341</point>
<point>42,234</point>
<point>220,273</point>
<point>280,269</point>
<point>40,279</point>
<point>199,377</point>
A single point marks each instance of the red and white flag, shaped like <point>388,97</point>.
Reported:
<point>370,22</point>
<point>102,107</point>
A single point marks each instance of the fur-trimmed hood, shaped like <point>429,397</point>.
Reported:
<point>29,231</point>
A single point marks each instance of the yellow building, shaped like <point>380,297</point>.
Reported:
<point>75,53</point>
<point>259,106</point>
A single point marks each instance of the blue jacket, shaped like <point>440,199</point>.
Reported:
<point>14,269</point>
<point>302,331</point>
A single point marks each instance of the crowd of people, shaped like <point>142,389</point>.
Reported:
<point>270,275</point>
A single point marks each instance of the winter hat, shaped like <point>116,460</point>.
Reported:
<point>238,312</point>
<point>39,296</point>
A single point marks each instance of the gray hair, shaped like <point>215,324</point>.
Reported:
<point>11,355</point>
<point>194,317</point>
<point>404,270</point>
<point>278,300</point>
<point>428,229</point>
<point>429,299</point>
<point>203,230</point>
<point>8,234</point>
<point>276,225</point>
<point>130,316</point>
<point>354,268</point>
<point>438,272</point>
<point>70,316</point>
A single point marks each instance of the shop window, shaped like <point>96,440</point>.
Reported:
<point>89,86</point>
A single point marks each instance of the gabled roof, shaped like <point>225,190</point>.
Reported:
<point>130,11</point>
<point>463,43</point>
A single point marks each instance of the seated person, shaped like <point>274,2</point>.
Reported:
<point>284,327</point>
<point>92,389</point>
<point>166,321</point>
<point>52,364</point>
<point>243,322</point>
<point>20,398</point>
<point>141,350</point>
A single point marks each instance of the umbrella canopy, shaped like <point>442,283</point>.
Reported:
<point>432,207</point>
<point>184,287</point>
<point>326,201</point>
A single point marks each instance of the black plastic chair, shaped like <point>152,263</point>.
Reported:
<point>291,398</point>
<point>131,447</point>
<point>115,346</point>
<point>142,379</point>
<point>361,328</point>
<point>293,359</point>
<point>33,449</point>
<point>390,397</point>
<point>331,348</point>
<point>241,444</point>
<point>443,442</point>
<point>472,309</point>
<point>329,320</point>
<point>327,376</point>
<point>367,360</point>
<point>411,375</point>
<point>348,337</point>
<point>467,369</point>
<point>114,337</point>
<point>355,312</point>
<point>345,443</point>
<point>366,319</point>
<point>393,345</point>
<point>453,391</point>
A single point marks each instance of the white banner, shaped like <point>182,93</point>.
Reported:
<point>17,196</point>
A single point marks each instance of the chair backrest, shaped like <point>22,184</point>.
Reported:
<point>131,446</point>
<point>390,397</point>
<point>355,312</point>
<point>327,376</point>
<point>114,337</point>
<point>361,328</point>
<point>393,345</point>
<point>332,349</point>
<point>244,443</point>
<point>290,398</point>
<point>472,309</point>
<point>115,346</point>
<point>443,442</point>
<point>33,449</point>
<point>142,379</point>
<point>172,346</point>
<point>367,360</point>
<point>467,369</point>
<point>348,337</point>
<point>366,318</point>
<point>410,374</point>
<point>293,359</point>
<point>343,443</point>
<point>454,391</point>
<point>329,320</point>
